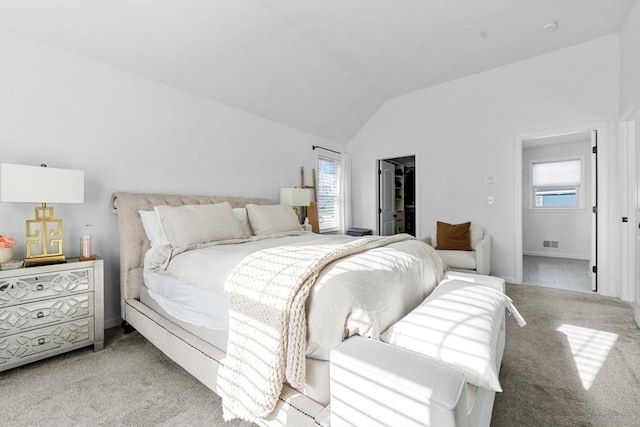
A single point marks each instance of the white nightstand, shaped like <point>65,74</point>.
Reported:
<point>48,310</point>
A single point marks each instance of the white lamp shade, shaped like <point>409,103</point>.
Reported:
<point>295,196</point>
<point>36,184</point>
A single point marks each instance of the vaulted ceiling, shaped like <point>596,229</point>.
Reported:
<point>321,66</point>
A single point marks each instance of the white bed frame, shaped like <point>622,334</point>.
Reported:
<point>196,356</point>
<point>202,359</point>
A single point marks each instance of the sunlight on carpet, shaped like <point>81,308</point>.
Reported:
<point>590,348</point>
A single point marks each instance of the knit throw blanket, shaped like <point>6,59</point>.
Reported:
<point>267,320</point>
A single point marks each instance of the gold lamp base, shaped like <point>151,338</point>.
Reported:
<point>44,238</point>
<point>48,260</point>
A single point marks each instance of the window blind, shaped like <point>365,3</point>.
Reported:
<point>560,173</point>
<point>328,193</point>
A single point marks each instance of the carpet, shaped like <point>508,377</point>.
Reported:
<point>131,383</point>
<point>576,363</point>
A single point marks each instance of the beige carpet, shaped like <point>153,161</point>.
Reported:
<point>546,385</point>
<point>130,383</point>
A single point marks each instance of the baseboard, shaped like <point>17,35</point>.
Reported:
<point>511,280</point>
<point>555,255</point>
<point>112,323</point>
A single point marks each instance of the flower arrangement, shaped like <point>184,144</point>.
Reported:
<point>7,242</point>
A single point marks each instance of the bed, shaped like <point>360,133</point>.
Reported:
<point>197,341</point>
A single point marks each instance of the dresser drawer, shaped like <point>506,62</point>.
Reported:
<point>17,318</point>
<point>39,343</point>
<point>20,289</point>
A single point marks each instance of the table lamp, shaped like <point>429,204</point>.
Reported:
<point>295,197</point>
<point>41,184</point>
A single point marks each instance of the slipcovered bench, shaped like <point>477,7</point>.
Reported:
<point>407,381</point>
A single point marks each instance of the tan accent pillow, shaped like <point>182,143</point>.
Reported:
<point>272,219</point>
<point>453,236</point>
<point>241,214</point>
<point>189,225</point>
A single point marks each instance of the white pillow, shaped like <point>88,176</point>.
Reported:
<point>241,214</point>
<point>152,228</point>
<point>458,324</point>
<point>189,225</point>
<point>272,219</point>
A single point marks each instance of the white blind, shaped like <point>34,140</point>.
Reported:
<point>548,174</point>
<point>328,193</point>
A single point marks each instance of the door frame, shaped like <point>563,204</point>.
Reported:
<point>602,217</point>
<point>629,137</point>
<point>380,198</point>
<point>415,189</point>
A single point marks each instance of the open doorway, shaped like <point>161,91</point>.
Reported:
<point>396,196</point>
<point>559,211</point>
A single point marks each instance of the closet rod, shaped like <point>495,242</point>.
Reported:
<point>326,149</point>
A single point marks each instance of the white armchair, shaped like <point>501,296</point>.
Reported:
<point>478,260</point>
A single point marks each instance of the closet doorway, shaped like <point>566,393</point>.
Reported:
<point>397,196</point>
<point>559,210</point>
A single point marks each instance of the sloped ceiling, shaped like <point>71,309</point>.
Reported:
<point>321,66</point>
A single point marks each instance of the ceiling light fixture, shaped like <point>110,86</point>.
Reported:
<point>549,27</point>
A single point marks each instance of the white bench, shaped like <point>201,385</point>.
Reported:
<point>375,383</point>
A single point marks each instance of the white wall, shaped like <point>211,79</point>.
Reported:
<point>630,62</point>
<point>465,130</point>
<point>130,134</point>
<point>570,227</point>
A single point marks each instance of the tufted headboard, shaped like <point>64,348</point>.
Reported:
<point>133,240</point>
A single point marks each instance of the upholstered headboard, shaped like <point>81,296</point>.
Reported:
<point>133,240</point>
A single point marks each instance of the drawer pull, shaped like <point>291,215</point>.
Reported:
<point>40,315</point>
<point>40,341</point>
<point>40,287</point>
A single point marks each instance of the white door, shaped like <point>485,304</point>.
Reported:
<point>630,138</point>
<point>593,262</point>
<point>634,130</point>
<point>386,198</point>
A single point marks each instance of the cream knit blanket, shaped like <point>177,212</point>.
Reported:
<point>267,320</point>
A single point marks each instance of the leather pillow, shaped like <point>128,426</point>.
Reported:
<point>453,236</point>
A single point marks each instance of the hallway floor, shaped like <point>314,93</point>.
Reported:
<point>558,273</point>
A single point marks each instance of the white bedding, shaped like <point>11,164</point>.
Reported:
<point>359,295</point>
<point>317,378</point>
<point>188,302</point>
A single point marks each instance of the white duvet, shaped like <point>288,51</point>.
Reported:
<point>362,294</point>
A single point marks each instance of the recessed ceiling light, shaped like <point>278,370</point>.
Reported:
<point>549,27</point>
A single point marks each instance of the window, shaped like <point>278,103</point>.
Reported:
<point>328,193</point>
<point>556,184</point>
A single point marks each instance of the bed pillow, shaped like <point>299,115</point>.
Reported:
<point>241,214</point>
<point>190,225</point>
<point>151,225</point>
<point>266,220</point>
<point>453,236</point>
<point>458,324</point>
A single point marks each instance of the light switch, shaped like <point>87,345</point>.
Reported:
<point>490,200</point>
<point>491,180</point>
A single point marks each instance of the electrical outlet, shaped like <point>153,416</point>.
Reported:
<point>490,200</point>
